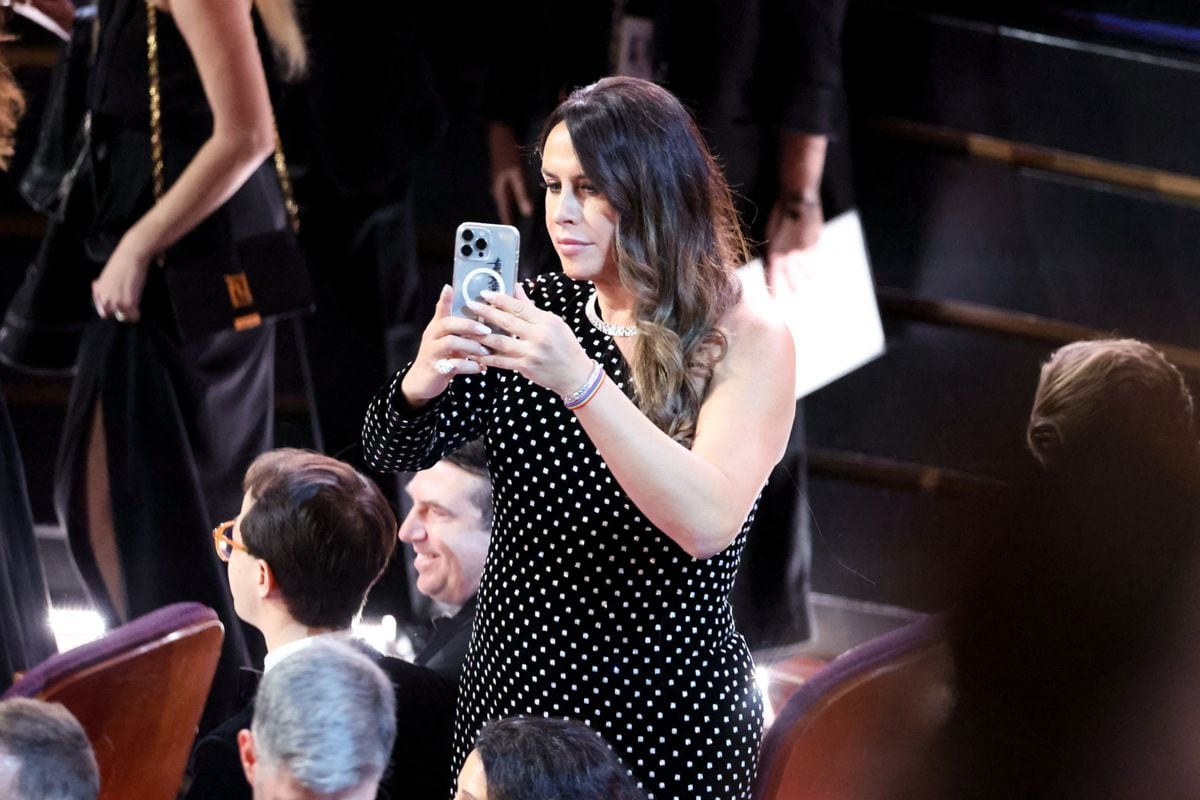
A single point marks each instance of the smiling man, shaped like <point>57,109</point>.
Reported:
<point>449,528</point>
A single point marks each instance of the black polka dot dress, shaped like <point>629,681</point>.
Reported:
<point>586,610</point>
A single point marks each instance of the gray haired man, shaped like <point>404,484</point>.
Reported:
<point>323,729</point>
<point>44,753</point>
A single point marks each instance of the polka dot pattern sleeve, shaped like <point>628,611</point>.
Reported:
<point>396,437</point>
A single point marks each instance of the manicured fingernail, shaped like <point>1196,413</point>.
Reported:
<point>481,328</point>
<point>484,350</point>
<point>487,294</point>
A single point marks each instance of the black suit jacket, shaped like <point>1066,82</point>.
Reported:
<point>420,763</point>
<point>446,648</point>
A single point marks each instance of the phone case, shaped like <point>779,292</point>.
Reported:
<point>485,257</point>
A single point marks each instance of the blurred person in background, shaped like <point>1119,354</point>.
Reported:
<point>25,635</point>
<point>44,753</point>
<point>1078,604</point>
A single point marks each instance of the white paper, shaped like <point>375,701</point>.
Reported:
<point>831,310</point>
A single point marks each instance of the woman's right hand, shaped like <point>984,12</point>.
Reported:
<point>448,348</point>
<point>117,291</point>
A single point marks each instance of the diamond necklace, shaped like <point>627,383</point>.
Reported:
<point>601,325</point>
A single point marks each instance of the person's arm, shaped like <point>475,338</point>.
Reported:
<point>510,95</point>
<point>803,41</point>
<point>699,497</point>
<point>221,38</point>
<point>419,415</point>
<point>797,217</point>
<point>507,176</point>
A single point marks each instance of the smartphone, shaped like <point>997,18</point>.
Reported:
<point>485,258</point>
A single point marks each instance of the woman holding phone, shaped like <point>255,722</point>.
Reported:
<point>631,421</point>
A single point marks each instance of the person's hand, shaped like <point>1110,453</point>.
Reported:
<point>449,347</point>
<point>117,292</point>
<point>508,179</point>
<point>542,347</point>
<point>792,229</point>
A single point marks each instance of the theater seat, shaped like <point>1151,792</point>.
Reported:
<point>856,729</point>
<point>138,692</point>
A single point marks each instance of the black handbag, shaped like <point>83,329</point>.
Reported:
<point>261,277</point>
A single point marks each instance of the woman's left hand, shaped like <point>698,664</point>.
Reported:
<point>118,291</point>
<point>542,347</point>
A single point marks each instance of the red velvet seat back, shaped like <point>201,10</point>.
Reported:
<point>857,729</point>
<point>138,692</point>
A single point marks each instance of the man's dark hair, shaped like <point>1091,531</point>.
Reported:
<point>325,529</point>
<point>53,751</point>
<point>472,458</point>
<point>532,758</point>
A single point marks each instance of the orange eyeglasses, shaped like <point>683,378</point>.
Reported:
<point>223,540</point>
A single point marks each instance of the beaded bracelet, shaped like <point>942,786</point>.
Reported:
<point>588,386</point>
<point>583,395</point>
<point>595,391</point>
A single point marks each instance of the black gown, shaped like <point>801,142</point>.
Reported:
<point>586,610</point>
<point>182,420</point>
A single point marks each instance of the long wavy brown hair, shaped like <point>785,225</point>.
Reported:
<point>12,105</point>
<point>677,238</point>
<point>280,20</point>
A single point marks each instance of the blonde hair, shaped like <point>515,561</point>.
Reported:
<point>282,24</point>
<point>1097,391</point>
<point>12,106</point>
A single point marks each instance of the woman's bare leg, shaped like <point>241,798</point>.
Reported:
<point>101,533</point>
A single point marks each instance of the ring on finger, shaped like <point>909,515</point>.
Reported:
<point>444,366</point>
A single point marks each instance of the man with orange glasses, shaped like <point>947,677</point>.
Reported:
<point>312,537</point>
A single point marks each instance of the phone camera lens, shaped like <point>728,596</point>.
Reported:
<point>468,235</point>
<point>466,249</point>
<point>481,245</point>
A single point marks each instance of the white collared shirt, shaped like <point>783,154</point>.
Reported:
<point>284,650</point>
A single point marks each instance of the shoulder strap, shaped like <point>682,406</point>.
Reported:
<point>156,137</point>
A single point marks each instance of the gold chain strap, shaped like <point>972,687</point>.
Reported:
<point>156,140</point>
<point>156,146</point>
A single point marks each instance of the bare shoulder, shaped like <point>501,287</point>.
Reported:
<point>755,328</point>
